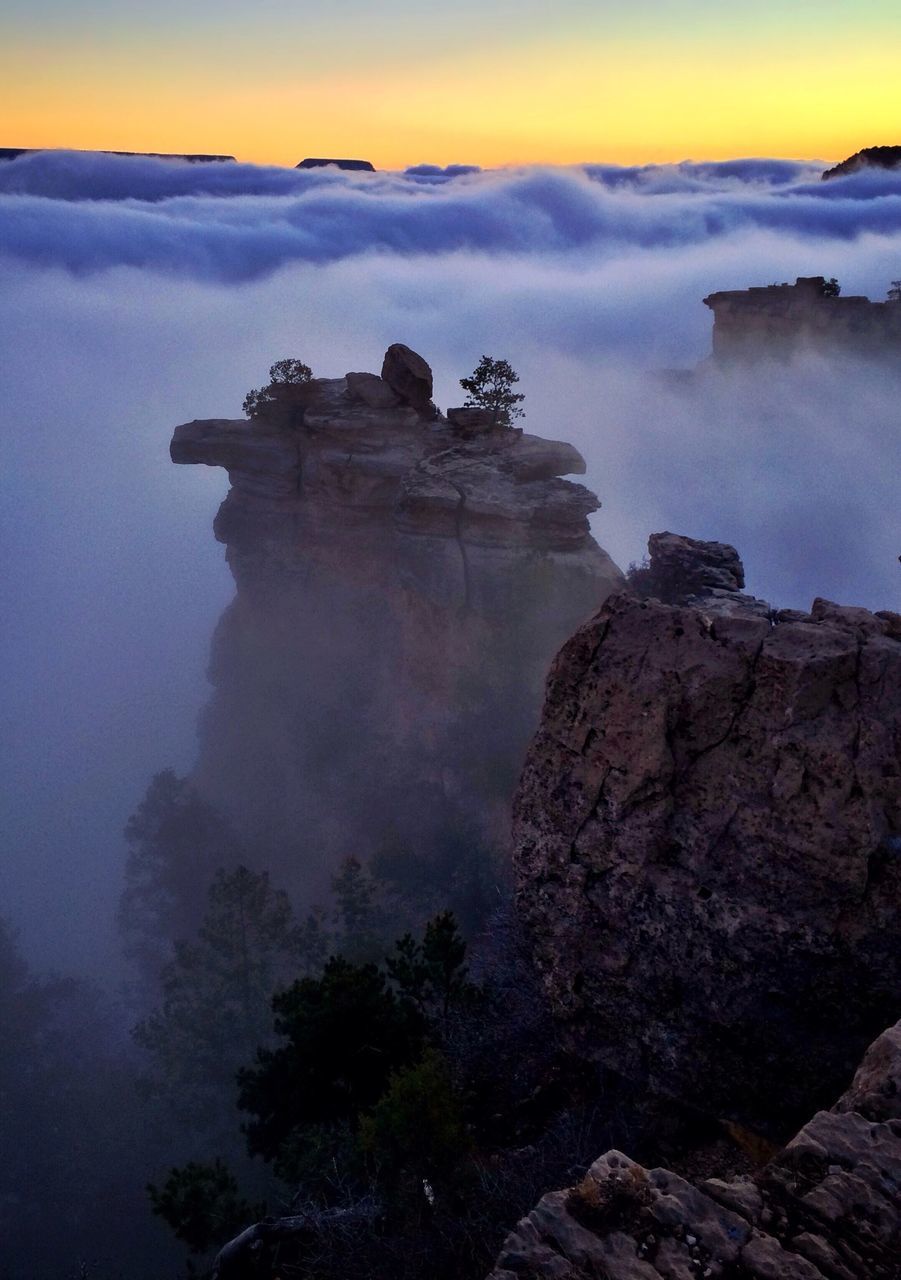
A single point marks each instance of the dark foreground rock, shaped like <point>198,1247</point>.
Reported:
<point>827,1208</point>
<point>867,158</point>
<point>708,842</point>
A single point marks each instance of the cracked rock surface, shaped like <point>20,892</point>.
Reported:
<point>402,585</point>
<point>707,840</point>
<point>826,1208</point>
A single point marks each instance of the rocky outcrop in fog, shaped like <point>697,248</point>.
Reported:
<point>867,158</point>
<point>779,321</point>
<point>403,580</point>
<point>825,1209</point>
<point>708,839</point>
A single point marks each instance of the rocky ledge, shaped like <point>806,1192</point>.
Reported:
<point>707,839</point>
<point>827,1208</point>
<point>333,456</point>
<point>403,580</point>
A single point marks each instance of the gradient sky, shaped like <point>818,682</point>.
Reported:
<point>480,81</point>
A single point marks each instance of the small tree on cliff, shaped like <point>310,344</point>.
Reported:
<point>282,373</point>
<point>831,288</point>
<point>489,387</point>
<point>894,293</point>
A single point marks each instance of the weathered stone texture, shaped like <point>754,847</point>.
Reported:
<point>707,843</point>
<point>827,1208</point>
<point>401,588</point>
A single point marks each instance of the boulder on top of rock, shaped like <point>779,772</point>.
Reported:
<point>681,567</point>
<point>410,377</point>
<point>471,421</point>
<point>371,390</point>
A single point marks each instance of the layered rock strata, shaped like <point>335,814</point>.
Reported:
<point>707,840</point>
<point>779,321</point>
<point>402,584</point>
<point>827,1208</point>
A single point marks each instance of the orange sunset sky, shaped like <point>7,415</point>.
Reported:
<point>490,82</point>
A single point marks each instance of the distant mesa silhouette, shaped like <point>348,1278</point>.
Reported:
<point>316,162</point>
<point>780,319</point>
<point>867,158</point>
<point>13,153</point>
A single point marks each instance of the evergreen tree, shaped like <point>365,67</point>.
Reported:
<point>345,1033</point>
<point>176,843</point>
<point>489,387</point>
<point>217,990</point>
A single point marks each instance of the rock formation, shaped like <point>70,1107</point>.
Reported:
<point>827,1208</point>
<point>13,153</point>
<point>867,158</point>
<point>315,162</point>
<point>779,320</point>
<point>402,584</point>
<point>707,839</point>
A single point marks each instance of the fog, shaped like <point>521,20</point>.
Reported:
<point>137,294</point>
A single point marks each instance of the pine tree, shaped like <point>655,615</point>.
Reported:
<point>489,387</point>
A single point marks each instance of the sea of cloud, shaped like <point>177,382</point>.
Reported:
<point>136,293</point>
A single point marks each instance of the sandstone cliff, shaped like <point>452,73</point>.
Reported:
<point>403,580</point>
<point>708,839</point>
<point>827,1208</point>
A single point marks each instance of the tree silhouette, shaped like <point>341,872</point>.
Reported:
<point>489,387</point>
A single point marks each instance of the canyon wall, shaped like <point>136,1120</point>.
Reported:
<point>707,839</point>
<point>403,580</point>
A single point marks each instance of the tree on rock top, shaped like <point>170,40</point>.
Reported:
<point>489,386</point>
<point>282,373</point>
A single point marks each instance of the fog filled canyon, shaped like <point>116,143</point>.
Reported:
<point>327,732</point>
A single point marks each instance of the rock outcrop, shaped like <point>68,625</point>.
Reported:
<point>827,1208</point>
<point>778,321</point>
<point>13,153</point>
<point>707,840</point>
<point>318,162</point>
<point>867,158</point>
<point>402,584</point>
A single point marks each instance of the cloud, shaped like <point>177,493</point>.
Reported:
<point>231,223</point>
<point>126,313</point>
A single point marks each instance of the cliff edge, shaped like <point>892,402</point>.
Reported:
<point>403,580</point>
<point>707,839</point>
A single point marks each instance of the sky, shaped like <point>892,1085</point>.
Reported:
<point>137,294</point>
<point>488,82</point>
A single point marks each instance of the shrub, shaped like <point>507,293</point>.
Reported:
<point>287,372</point>
<point>489,387</point>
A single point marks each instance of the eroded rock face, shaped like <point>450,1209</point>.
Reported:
<point>401,588</point>
<point>680,567</point>
<point>708,845</point>
<point>827,1208</point>
<point>407,374</point>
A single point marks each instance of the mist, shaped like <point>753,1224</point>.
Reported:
<point>138,294</point>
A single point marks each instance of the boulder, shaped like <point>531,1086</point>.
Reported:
<point>407,374</point>
<point>471,420</point>
<point>681,567</point>
<point>371,390</point>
